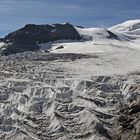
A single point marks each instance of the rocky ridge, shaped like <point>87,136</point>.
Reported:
<point>29,37</point>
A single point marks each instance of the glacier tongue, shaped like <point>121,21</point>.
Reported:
<point>43,97</point>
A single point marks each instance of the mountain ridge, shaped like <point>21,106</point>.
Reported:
<point>31,36</point>
<point>28,37</point>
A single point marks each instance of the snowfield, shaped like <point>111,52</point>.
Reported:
<point>100,42</point>
<point>112,56</point>
<point>87,90</point>
<point>128,26</point>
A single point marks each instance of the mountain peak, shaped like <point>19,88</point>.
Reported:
<point>28,37</point>
<point>127,26</point>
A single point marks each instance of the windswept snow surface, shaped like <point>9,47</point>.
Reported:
<point>94,32</point>
<point>95,46</point>
<point>129,28</point>
<point>100,43</point>
<point>112,56</point>
<point>129,25</point>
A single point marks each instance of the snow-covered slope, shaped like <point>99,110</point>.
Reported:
<point>100,40</point>
<point>100,33</point>
<point>130,27</point>
<point>93,32</point>
<point>93,47</point>
<point>117,38</point>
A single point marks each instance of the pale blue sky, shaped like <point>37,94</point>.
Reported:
<point>15,14</point>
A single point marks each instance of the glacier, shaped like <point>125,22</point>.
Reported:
<point>85,90</point>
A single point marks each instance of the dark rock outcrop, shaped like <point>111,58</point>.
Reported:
<point>28,37</point>
<point>112,35</point>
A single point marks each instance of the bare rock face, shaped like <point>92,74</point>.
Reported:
<point>28,37</point>
<point>41,99</point>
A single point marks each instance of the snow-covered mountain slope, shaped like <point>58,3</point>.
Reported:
<point>100,33</point>
<point>93,32</point>
<point>121,37</point>
<point>91,47</point>
<point>99,44</point>
<point>130,27</point>
<point>94,40</point>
